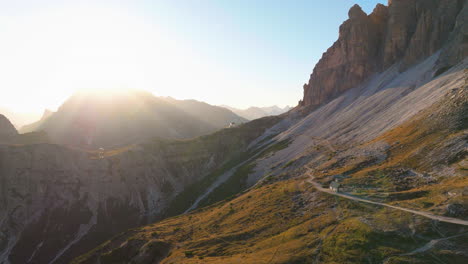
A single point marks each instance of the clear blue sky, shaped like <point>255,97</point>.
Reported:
<point>234,52</point>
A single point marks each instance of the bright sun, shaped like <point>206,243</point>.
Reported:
<point>49,52</point>
<point>73,49</point>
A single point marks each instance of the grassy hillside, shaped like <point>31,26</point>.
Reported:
<point>284,222</point>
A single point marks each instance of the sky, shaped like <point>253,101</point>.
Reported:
<point>224,52</point>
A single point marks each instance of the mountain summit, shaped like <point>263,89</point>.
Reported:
<point>401,34</point>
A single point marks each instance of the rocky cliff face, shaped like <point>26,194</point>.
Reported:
<point>402,33</point>
<point>56,201</point>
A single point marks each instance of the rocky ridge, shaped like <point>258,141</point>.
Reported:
<point>403,33</point>
<point>91,119</point>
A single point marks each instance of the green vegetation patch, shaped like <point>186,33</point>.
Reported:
<point>235,184</point>
<point>186,198</point>
<point>238,181</point>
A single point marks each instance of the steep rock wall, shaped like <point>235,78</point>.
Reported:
<point>404,32</point>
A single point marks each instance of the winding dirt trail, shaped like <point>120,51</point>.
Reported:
<point>445,219</point>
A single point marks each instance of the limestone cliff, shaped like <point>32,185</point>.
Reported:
<point>403,33</point>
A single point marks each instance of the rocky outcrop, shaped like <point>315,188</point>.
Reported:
<point>418,29</point>
<point>457,46</point>
<point>351,59</point>
<point>405,32</point>
<point>7,130</point>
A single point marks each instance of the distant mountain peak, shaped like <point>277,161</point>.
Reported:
<point>116,118</point>
<point>255,112</point>
<point>356,12</point>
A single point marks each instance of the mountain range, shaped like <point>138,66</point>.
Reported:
<point>119,118</point>
<point>383,119</point>
<point>253,112</point>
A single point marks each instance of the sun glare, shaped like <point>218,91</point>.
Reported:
<point>102,55</point>
<point>49,54</point>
